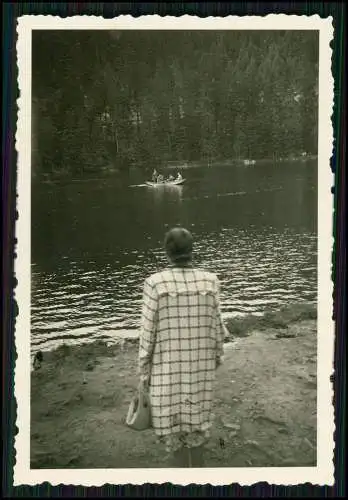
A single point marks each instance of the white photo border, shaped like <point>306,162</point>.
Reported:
<point>323,473</point>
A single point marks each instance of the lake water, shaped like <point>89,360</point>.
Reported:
<point>94,242</point>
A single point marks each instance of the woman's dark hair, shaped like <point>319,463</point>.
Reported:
<point>178,243</point>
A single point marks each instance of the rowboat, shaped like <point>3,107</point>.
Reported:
<point>176,182</point>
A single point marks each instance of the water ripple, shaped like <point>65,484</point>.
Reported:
<point>103,302</point>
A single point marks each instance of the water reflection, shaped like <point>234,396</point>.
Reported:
<point>168,194</point>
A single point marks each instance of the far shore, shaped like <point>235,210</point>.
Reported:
<point>61,175</point>
<point>265,401</point>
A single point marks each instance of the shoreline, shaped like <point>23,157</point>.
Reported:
<point>56,177</point>
<point>237,326</point>
<point>265,401</point>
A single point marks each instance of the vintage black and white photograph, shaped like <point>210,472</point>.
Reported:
<point>174,250</point>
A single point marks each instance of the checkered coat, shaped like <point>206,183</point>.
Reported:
<point>181,344</point>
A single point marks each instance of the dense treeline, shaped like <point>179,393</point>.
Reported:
<point>107,99</point>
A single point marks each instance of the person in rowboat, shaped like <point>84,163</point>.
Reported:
<point>179,177</point>
<point>171,178</point>
<point>160,179</point>
<point>154,175</point>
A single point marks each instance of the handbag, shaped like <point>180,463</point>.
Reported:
<point>139,412</point>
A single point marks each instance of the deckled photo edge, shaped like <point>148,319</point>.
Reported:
<point>323,473</point>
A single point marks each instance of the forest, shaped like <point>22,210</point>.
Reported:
<point>107,100</point>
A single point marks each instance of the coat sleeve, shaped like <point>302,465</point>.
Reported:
<point>220,327</point>
<point>148,329</point>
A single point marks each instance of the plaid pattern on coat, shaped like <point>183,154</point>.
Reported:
<point>181,344</point>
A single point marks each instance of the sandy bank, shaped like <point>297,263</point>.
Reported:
<point>265,403</point>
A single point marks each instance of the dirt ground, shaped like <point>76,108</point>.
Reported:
<point>265,405</point>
